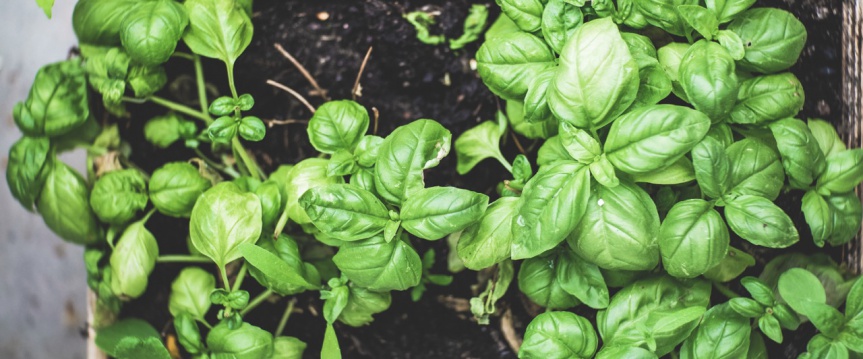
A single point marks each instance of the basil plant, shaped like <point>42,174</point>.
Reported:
<point>666,133</point>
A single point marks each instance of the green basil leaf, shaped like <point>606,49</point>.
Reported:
<point>218,29</point>
<point>819,217</point>
<point>134,348</point>
<point>770,327</point>
<point>271,203</point>
<point>670,55</point>
<point>245,342</point>
<point>27,168</point>
<point>767,98</point>
<point>844,171</point>
<point>190,293</point>
<point>252,128</point>
<point>786,316</point>
<point>107,73</point>
<point>801,156</point>
<point>578,143</point>
<point>526,14</point>
<point>379,265</point>
<point>701,19</point>
<point>635,311</point>
<point>132,260</point>
<point>57,103</point>
<point>551,151</point>
<point>614,352</point>
<point>558,334</point>
<point>479,143</point>
<point>342,163</point>
<point>362,304</point>
<point>692,239</point>
<point>603,172</point>
<point>539,278</point>
<point>544,129</point>
<point>831,350</point>
<point>773,38</point>
<point>552,204</point>
<point>330,348</point>
<point>712,167</point>
<point>405,154</point>
<point>149,32</point>
<point>222,220</point>
<point>759,291</point>
<point>847,213</point>
<point>679,172</point>
<point>521,169</point>
<point>727,10</point>
<point>146,80</point>
<point>798,286</point>
<point>854,302</point>
<point>223,130</point>
<point>559,21</point>
<point>663,14</point>
<point>707,75</point>
<point>582,279</point>
<point>654,84</point>
<point>163,131</point>
<point>732,43</point>
<point>489,241</point>
<point>175,187</point>
<point>508,64</point>
<point>619,228</point>
<point>275,273</point>
<point>755,169</point>
<point>345,212</point>
<point>307,174</point>
<point>759,221</point>
<point>98,22</point>
<point>595,51</point>
<point>827,320</point>
<point>368,149</point>
<point>64,205</point>
<point>288,348</point>
<point>536,100</point>
<point>46,6</point>
<point>721,334</point>
<point>118,196</point>
<point>746,307</point>
<point>107,338</point>
<point>757,349</point>
<point>731,266</point>
<point>338,125</point>
<point>188,333</point>
<point>826,136</point>
<point>652,137</point>
<point>433,213</point>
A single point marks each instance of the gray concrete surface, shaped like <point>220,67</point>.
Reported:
<point>42,278</point>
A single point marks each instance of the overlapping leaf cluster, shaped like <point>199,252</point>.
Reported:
<point>668,131</point>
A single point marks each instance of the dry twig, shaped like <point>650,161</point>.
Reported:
<point>355,92</point>
<point>292,92</point>
<point>319,91</point>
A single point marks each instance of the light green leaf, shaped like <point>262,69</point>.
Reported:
<point>338,125</point>
<point>432,213</point>
<point>379,265</point>
<point>755,169</point>
<point>132,260</point>
<point>27,169</point>
<point>488,242</point>
<point>245,342</point>
<point>345,212</point>
<point>276,274</point>
<point>479,143</point>
<point>692,239</point>
<point>222,220</point>
<point>712,167</point>
<point>57,103</point>
<point>405,154</point>
<point>150,30</point>
<point>64,205</point>
<point>844,171</point>
<point>595,51</point>
<point>760,222</point>
<point>767,98</point>
<point>801,157</point>
<point>508,64</point>
<point>218,29</point>
<point>308,173</point>
<point>560,18</point>
<point>558,335</point>
<point>526,14</point>
<point>774,39</point>
<point>826,136</point>
<point>190,293</point>
<point>707,76</point>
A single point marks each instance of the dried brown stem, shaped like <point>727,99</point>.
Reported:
<point>517,143</point>
<point>274,122</point>
<point>355,90</point>
<point>292,92</point>
<point>321,92</point>
<point>377,115</point>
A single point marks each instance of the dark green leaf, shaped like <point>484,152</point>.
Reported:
<point>843,173</point>
<point>760,222</point>
<point>595,51</point>
<point>692,239</point>
<point>552,204</point>
<point>432,213</point>
<point>252,128</point>
<point>27,169</point>
<point>734,263</point>
<point>722,334</point>
<point>759,291</point>
<point>64,205</point>
<point>539,278</point>
<point>118,196</point>
<point>405,154</point>
<point>755,169</point>
<point>57,103</point>
<point>558,334</point>
<point>619,228</point>
<point>712,167</point>
<point>767,98</point>
<point>380,265</point>
<point>801,156</point>
<point>345,212</point>
<point>773,38</point>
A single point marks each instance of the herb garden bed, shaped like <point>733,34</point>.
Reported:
<point>369,51</point>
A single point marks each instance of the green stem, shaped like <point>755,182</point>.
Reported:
<point>203,116</point>
<point>280,226</point>
<point>204,322</point>
<point>230,68</point>
<point>179,258</point>
<point>225,282</point>
<point>727,292</point>
<point>240,277</point>
<point>202,88</point>
<point>225,169</point>
<point>284,320</point>
<point>248,163</point>
<point>257,301</point>
<point>504,162</point>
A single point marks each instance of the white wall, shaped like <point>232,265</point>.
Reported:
<point>42,278</point>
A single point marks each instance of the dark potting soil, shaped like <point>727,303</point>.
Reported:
<point>405,80</point>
